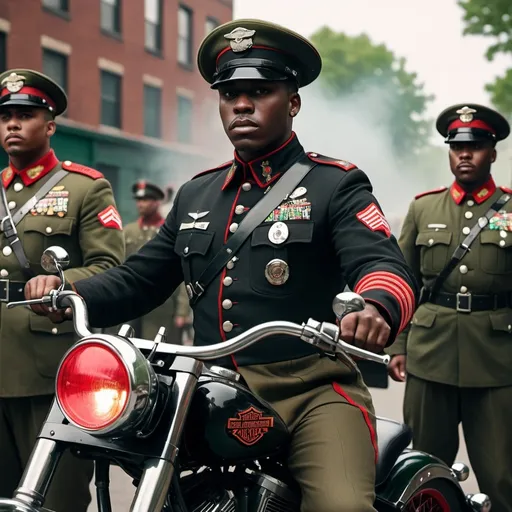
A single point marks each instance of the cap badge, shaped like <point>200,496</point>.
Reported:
<point>466,114</point>
<point>14,83</point>
<point>240,39</point>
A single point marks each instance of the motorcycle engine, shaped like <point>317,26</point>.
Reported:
<point>202,492</point>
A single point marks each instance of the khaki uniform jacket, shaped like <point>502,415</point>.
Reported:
<point>79,215</point>
<point>177,305</point>
<point>443,345</point>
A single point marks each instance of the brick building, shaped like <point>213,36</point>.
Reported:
<point>138,106</point>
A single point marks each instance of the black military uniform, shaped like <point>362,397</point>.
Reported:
<point>334,234</point>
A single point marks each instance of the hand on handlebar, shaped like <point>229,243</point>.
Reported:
<point>366,329</point>
<point>39,287</point>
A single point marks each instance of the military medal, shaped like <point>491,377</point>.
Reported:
<point>298,192</point>
<point>54,203</point>
<point>501,221</point>
<point>277,272</point>
<point>278,233</point>
<point>197,225</point>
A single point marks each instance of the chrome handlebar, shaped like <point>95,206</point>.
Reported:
<point>323,335</point>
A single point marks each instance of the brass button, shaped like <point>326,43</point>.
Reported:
<point>228,281</point>
<point>49,229</point>
<point>431,241</point>
<point>470,202</point>
<point>503,234</point>
<point>463,269</point>
<point>67,162</point>
<point>55,330</point>
<point>4,272</point>
<point>227,326</point>
<point>227,304</point>
<point>503,243</point>
<point>239,209</point>
<point>185,251</point>
<point>6,251</point>
<point>12,205</point>
<point>18,187</point>
<point>463,289</point>
<point>466,230</point>
<point>246,187</point>
<point>468,215</point>
<point>233,227</point>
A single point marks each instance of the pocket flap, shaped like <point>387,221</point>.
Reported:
<point>431,238</point>
<point>298,232</point>
<point>44,324</point>
<point>501,321</point>
<point>492,236</point>
<point>48,225</point>
<point>193,242</point>
<point>424,317</point>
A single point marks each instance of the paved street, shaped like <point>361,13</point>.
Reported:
<point>387,403</point>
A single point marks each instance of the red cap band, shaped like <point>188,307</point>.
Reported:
<point>476,123</point>
<point>29,90</point>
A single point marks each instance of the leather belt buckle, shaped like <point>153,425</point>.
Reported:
<point>194,291</point>
<point>4,290</point>
<point>463,304</point>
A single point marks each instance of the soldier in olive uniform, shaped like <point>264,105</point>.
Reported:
<point>175,313</point>
<point>44,202</point>
<point>458,351</point>
<point>329,232</point>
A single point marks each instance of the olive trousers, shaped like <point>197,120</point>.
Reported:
<point>21,420</point>
<point>329,412</point>
<point>434,412</point>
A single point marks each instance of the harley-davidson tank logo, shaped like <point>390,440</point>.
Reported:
<point>250,426</point>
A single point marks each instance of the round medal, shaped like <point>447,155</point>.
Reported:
<point>277,272</point>
<point>278,233</point>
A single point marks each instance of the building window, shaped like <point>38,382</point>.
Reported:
<point>110,99</point>
<point>153,16</point>
<point>210,24</point>
<point>184,119</point>
<point>57,5</point>
<point>152,111</point>
<point>55,65</point>
<point>3,52</point>
<point>185,36</point>
<point>111,16</point>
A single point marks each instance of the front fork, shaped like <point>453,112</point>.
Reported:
<point>155,482</point>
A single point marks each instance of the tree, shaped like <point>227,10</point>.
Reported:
<point>493,19</point>
<point>356,66</point>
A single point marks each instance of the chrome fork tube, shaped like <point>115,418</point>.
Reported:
<point>39,472</point>
<point>156,479</point>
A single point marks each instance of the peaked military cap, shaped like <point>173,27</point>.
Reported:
<point>250,49</point>
<point>24,87</point>
<point>469,122</point>
<point>145,190</point>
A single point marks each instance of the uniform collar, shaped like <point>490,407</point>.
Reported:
<point>479,195</point>
<point>155,220</point>
<point>266,169</point>
<point>33,172</point>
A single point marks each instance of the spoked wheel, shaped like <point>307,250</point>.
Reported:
<point>436,496</point>
<point>428,500</point>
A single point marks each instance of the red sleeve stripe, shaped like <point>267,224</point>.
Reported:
<point>394,285</point>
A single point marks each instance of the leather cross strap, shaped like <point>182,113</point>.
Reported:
<point>431,289</point>
<point>271,200</point>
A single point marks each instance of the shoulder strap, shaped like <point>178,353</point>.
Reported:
<point>9,222</point>
<point>432,288</point>
<point>272,199</point>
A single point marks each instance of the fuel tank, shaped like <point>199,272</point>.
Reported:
<point>227,424</point>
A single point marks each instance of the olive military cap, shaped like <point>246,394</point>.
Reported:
<point>250,49</point>
<point>145,190</point>
<point>24,87</point>
<point>469,122</point>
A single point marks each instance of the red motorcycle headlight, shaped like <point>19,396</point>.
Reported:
<point>105,385</point>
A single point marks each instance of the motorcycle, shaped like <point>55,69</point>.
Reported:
<point>194,438</point>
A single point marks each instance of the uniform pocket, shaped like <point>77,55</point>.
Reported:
<point>193,248</point>
<point>424,318</point>
<point>295,254</point>
<point>43,231</point>
<point>495,252</point>
<point>50,343</point>
<point>501,321</point>
<point>434,247</point>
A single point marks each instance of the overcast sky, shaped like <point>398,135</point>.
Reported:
<point>427,34</point>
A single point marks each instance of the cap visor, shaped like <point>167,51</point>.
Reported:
<point>247,73</point>
<point>470,136</point>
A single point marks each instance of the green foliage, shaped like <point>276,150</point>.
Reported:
<point>356,65</point>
